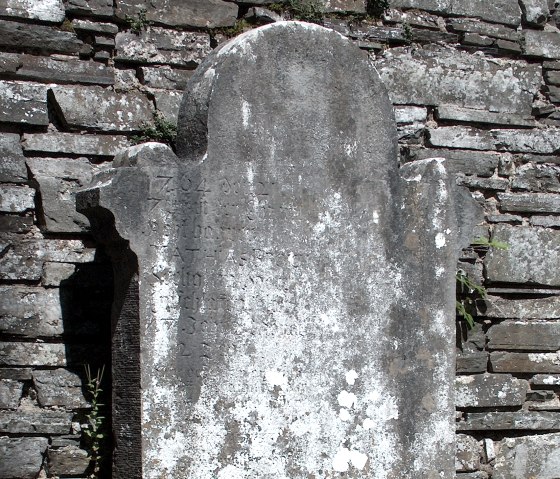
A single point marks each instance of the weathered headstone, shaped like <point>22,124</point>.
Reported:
<point>285,295</point>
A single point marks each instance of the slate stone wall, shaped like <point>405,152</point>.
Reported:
<point>475,82</point>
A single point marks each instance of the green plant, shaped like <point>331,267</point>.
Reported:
<point>490,243</point>
<point>139,23</point>
<point>407,33</point>
<point>376,8</point>
<point>67,26</point>
<point>162,130</point>
<point>307,10</point>
<point>239,27</point>
<point>94,429</point>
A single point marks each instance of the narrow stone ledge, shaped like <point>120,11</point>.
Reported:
<point>70,143</point>
<point>502,362</point>
<point>518,421</point>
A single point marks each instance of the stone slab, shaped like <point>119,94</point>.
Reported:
<point>472,362</point>
<point>546,380</point>
<point>16,199</point>
<point>529,202</point>
<point>503,421</point>
<point>178,13</point>
<point>168,103</point>
<point>32,354</point>
<point>532,256</point>
<point>524,457</point>
<point>462,137</point>
<point>442,75</point>
<point>468,162</point>
<point>470,115</point>
<point>165,77</point>
<point>502,362</point>
<point>68,461</point>
<point>43,10</point>
<point>95,8</point>
<point>88,145</point>
<point>484,29</point>
<point>36,422</point>
<point>59,388</point>
<point>528,141</point>
<point>527,336</point>
<point>538,308</point>
<point>542,44</point>
<point>17,374</point>
<point>10,393</point>
<point>468,452</point>
<point>12,161</point>
<point>535,12</point>
<point>23,103</point>
<point>21,457</point>
<point>95,27</point>
<point>239,239</point>
<point>489,390</point>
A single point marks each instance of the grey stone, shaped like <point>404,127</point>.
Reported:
<point>502,362</point>
<point>542,44</point>
<point>16,199</point>
<point>442,75</point>
<point>168,103</point>
<point>476,40</point>
<point>64,69</point>
<point>528,336</point>
<point>546,221</point>
<point>413,18</point>
<point>87,145</point>
<point>472,475</point>
<point>462,161</point>
<point>528,141</point>
<point>101,109</point>
<point>10,393</point>
<point>484,29</point>
<point>40,38</point>
<point>21,457</point>
<point>104,42</point>
<point>535,12</point>
<point>17,374</point>
<point>519,420</point>
<point>96,8</point>
<point>265,236</point>
<point>496,184</point>
<point>489,390</point>
<point>12,161</point>
<point>529,202</point>
<point>157,45</point>
<point>43,10</point>
<point>165,77</point>
<point>59,388</point>
<point>23,103</point>
<point>509,46</point>
<point>56,273</point>
<point>95,27</point>
<point>36,422</point>
<point>32,354</point>
<point>350,6</point>
<point>531,257</point>
<point>15,224</point>
<point>546,380</point>
<point>552,77</point>
<point>537,178</point>
<point>58,180</point>
<point>178,13</point>
<point>450,112</point>
<point>411,114</point>
<point>468,451</point>
<point>461,137</point>
<point>67,460</point>
<point>538,308</point>
<point>530,456</point>
<point>513,219</point>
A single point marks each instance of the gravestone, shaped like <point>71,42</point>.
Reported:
<point>284,292</point>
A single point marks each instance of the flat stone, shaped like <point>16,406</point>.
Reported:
<point>506,218</point>
<point>23,103</point>
<point>450,112</point>
<point>472,475</point>
<point>546,380</point>
<point>16,199</point>
<point>32,354</point>
<point>508,46</point>
<point>441,75</point>
<point>542,44</point>
<point>22,457</point>
<point>40,38</point>
<point>157,45</point>
<point>502,362</point>
<point>518,421</point>
<point>531,257</point>
<point>165,77</point>
<point>489,390</point>
<point>68,460</point>
<point>58,180</point>
<point>87,145</point>
<point>468,452</point>
<point>538,308</point>
<point>484,29</point>
<point>168,103</point>
<point>178,13</point>
<point>36,422</point>
<point>43,10</point>
<point>535,177</point>
<point>472,362</point>
<point>528,336</point>
<point>12,161</point>
<point>546,221</point>
<point>495,184</point>
<point>529,202</point>
<point>95,27</point>
<point>477,40</point>
<point>10,394</point>
<point>412,18</point>
<point>528,141</point>
<point>462,161</point>
<point>56,273</point>
<point>17,374</point>
<point>64,69</point>
<point>96,8</point>
<point>461,137</point>
<point>535,12</point>
<point>411,114</point>
<point>552,77</point>
<point>350,6</point>
<point>59,388</point>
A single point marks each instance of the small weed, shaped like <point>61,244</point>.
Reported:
<point>490,243</point>
<point>94,430</point>
<point>139,23</point>
<point>276,7</point>
<point>162,130</point>
<point>237,29</point>
<point>67,26</point>
<point>312,11</point>
<point>376,8</point>
<point>407,33</point>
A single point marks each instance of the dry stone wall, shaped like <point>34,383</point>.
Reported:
<point>475,82</point>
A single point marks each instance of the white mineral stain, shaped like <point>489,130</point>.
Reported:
<point>346,399</point>
<point>246,113</point>
<point>344,414</point>
<point>276,378</point>
<point>368,424</point>
<point>375,217</point>
<point>351,377</point>
<point>344,457</point>
<point>440,240</point>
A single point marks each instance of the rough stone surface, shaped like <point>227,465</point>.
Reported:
<point>36,422</point>
<point>529,336</point>
<point>58,181</point>
<point>102,109</point>
<point>55,273</point>
<point>44,10</point>
<point>500,421</point>
<point>528,141</point>
<point>23,103</point>
<point>461,161</point>
<point>178,13</point>
<point>489,390</point>
<point>98,8</point>
<point>472,362</point>
<point>59,387</point>
<point>535,12</point>
<point>542,44</point>
<point>157,45</point>
<point>444,76</point>
<point>541,308</point>
<point>529,202</point>
<point>21,457</point>
<point>450,112</point>
<point>12,161</point>
<point>168,103</point>
<point>462,137</point>
<point>10,393</point>
<point>90,145</point>
<point>16,199</point>
<point>32,354</point>
<point>246,341</point>
<point>467,457</point>
<point>524,457</point>
<point>546,380</point>
<point>502,362</point>
<point>532,256</point>
<point>165,77</point>
<point>68,460</point>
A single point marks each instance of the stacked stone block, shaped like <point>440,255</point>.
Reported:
<point>475,82</point>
